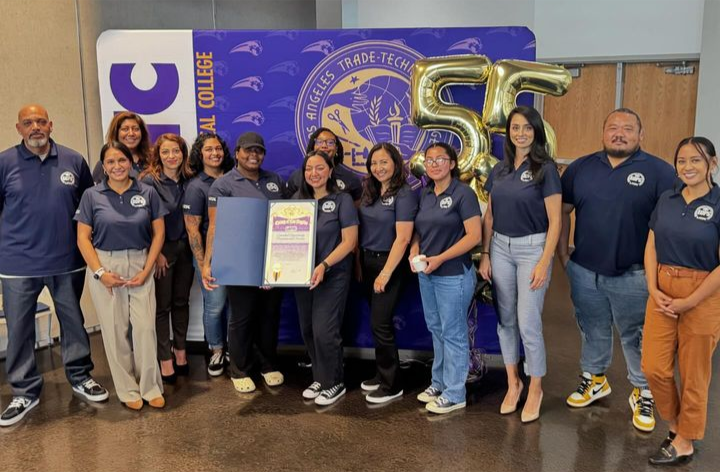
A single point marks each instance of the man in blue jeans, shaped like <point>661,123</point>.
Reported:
<point>613,193</point>
<point>41,184</point>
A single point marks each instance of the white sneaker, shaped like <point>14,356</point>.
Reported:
<point>312,391</point>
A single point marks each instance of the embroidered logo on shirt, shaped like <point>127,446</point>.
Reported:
<point>186,206</point>
<point>272,187</point>
<point>212,199</point>
<point>446,203</point>
<point>138,201</point>
<point>704,213</point>
<point>526,176</point>
<point>387,201</point>
<point>328,207</point>
<point>340,184</point>
<point>68,178</point>
<point>636,179</point>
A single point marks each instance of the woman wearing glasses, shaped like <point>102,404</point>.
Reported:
<point>447,228</point>
<point>326,141</point>
<point>174,268</point>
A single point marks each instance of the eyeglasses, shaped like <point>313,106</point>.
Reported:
<point>438,161</point>
<point>326,142</point>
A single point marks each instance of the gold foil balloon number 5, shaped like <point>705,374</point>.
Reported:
<point>505,80</point>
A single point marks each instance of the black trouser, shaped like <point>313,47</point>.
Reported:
<point>172,293</point>
<point>321,312</point>
<point>253,328</point>
<point>382,308</point>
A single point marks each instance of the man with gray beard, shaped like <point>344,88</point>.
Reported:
<point>41,184</point>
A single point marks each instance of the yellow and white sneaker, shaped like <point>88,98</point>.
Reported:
<point>642,405</point>
<point>591,388</point>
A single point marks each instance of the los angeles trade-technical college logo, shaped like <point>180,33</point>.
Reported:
<point>362,93</point>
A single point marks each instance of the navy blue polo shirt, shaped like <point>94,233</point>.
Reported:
<point>171,194</point>
<point>98,174</point>
<point>347,181</point>
<point>120,222</point>
<point>687,234</point>
<point>271,184</point>
<point>233,184</point>
<point>195,200</point>
<point>518,203</point>
<point>613,208</point>
<point>377,221</point>
<point>336,211</point>
<point>38,200</point>
<point>439,223</point>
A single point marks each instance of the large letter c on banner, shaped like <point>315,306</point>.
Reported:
<point>145,102</point>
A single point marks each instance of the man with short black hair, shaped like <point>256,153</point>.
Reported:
<point>613,193</point>
<point>41,184</point>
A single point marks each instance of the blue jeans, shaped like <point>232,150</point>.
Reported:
<point>601,302</point>
<point>519,308</point>
<point>20,301</point>
<point>215,312</point>
<point>445,301</point>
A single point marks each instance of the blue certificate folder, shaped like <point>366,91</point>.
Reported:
<point>241,238</point>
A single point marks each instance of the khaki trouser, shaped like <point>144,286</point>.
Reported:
<point>693,337</point>
<point>134,369</point>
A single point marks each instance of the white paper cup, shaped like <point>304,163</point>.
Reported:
<point>419,263</point>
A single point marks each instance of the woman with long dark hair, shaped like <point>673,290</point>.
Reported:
<point>447,228</point>
<point>128,128</point>
<point>321,306</point>
<point>521,228</point>
<point>209,160</point>
<point>173,269</point>
<point>121,230</point>
<point>387,213</point>
<point>325,140</point>
<point>682,320</point>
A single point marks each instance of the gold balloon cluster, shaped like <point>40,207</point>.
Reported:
<point>504,80</point>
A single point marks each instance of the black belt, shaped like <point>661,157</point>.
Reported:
<point>369,253</point>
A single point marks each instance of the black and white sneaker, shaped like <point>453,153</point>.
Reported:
<point>312,391</point>
<point>330,395</point>
<point>370,385</point>
<point>382,396</point>
<point>17,409</point>
<point>216,366</point>
<point>90,390</point>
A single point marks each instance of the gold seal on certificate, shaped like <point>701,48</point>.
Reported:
<point>290,243</point>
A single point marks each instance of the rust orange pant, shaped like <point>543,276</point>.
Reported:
<point>693,337</point>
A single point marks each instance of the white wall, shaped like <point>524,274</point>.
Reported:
<point>617,28</point>
<point>565,29</point>
<point>707,122</point>
<point>436,13</point>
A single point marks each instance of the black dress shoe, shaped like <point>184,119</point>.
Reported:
<point>169,379</point>
<point>183,369</point>
<point>668,456</point>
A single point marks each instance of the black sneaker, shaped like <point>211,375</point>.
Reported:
<point>370,385</point>
<point>17,409</point>
<point>382,396</point>
<point>216,366</point>
<point>91,390</point>
<point>330,395</point>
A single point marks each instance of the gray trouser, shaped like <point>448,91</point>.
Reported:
<point>519,307</point>
<point>134,369</point>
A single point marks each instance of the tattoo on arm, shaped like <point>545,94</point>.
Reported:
<point>192,225</point>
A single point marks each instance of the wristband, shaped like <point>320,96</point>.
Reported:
<point>326,265</point>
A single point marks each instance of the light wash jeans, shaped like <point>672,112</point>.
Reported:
<point>215,312</point>
<point>601,302</point>
<point>519,308</point>
<point>445,301</point>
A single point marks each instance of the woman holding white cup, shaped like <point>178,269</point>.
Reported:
<point>447,228</point>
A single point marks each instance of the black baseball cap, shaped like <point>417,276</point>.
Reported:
<point>250,139</point>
